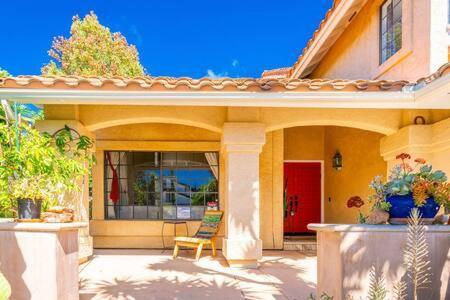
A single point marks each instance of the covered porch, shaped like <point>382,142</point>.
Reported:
<point>253,127</point>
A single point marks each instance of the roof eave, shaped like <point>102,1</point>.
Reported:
<point>319,99</point>
<point>326,35</point>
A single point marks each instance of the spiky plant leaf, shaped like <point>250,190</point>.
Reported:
<point>377,288</point>
<point>5,288</point>
<point>400,290</point>
<point>416,254</point>
<point>324,296</point>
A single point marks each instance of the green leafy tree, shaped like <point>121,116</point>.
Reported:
<point>25,112</point>
<point>3,73</point>
<point>92,50</point>
<point>39,166</point>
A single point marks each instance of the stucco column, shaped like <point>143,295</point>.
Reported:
<point>431,142</point>
<point>241,145</point>
<point>81,205</point>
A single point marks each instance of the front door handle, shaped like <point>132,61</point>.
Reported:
<point>291,210</point>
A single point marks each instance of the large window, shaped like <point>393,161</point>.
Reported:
<point>390,29</point>
<point>160,185</point>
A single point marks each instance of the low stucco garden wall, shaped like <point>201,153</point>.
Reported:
<point>346,253</point>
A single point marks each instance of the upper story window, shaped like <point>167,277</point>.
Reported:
<point>390,28</point>
<point>160,185</point>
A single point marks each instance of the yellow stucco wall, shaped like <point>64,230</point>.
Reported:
<point>304,143</point>
<point>98,117</point>
<point>361,162</point>
<point>271,193</point>
<point>156,132</point>
<point>299,141</point>
<point>355,54</point>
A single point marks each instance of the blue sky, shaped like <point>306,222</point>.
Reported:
<point>175,38</point>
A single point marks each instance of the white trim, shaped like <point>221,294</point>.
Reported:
<point>433,94</point>
<point>328,99</point>
<point>322,182</point>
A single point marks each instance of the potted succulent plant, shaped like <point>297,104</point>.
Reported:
<point>409,187</point>
<point>37,169</point>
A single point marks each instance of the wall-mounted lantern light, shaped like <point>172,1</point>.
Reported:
<point>337,161</point>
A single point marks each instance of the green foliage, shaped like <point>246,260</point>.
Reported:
<point>377,287</point>
<point>378,199</point>
<point>33,166</point>
<point>361,218</point>
<point>4,73</point>
<point>92,50</point>
<point>5,288</point>
<point>421,181</point>
<point>416,254</point>
<point>23,112</point>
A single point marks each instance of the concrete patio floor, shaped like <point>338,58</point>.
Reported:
<point>153,274</point>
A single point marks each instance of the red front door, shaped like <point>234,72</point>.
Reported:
<point>302,195</point>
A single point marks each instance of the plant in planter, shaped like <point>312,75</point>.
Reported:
<point>357,202</point>
<point>37,169</point>
<point>411,187</point>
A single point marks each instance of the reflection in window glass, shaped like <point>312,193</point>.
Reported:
<point>160,185</point>
<point>390,29</point>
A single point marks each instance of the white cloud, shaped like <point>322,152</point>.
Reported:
<point>211,74</point>
<point>235,63</point>
<point>134,31</point>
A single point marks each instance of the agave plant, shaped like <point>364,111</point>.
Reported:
<point>377,287</point>
<point>400,290</point>
<point>416,254</point>
<point>5,288</point>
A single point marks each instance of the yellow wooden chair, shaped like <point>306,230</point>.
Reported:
<point>206,234</point>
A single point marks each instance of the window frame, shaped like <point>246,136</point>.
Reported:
<point>161,169</point>
<point>380,40</point>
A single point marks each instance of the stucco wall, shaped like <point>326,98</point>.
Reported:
<point>271,191</point>
<point>156,132</point>
<point>355,54</point>
<point>361,162</point>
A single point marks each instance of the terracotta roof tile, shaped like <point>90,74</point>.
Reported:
<point>276,73</point>
<point>443,70</point>
<point>203,84</point>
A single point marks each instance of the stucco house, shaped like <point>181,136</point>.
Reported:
<point>373,81</point>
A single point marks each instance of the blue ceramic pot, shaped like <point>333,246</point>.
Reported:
<point>402,205</point>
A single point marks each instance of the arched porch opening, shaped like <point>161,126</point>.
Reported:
<point>304,146</point>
